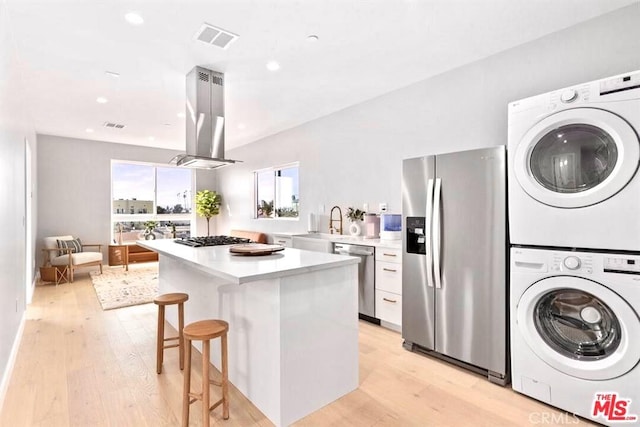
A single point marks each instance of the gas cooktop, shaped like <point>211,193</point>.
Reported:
<point>198,242</point>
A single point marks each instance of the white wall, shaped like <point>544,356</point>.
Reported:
<point>14,129</point>
<point>354,156</point>
<point>74,182</point>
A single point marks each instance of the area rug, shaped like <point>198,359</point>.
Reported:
<point>118,288</point>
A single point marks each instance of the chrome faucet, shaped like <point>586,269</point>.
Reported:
<point>339,220</point>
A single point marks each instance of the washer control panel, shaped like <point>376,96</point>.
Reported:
<point>576,94</point>
<point>622,264</point>
<point>582,263</point>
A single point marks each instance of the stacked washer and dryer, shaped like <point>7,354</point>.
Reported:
<point>574,212</point>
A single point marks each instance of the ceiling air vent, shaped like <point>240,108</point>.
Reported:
<point>113,125</point>
<point>215,36</point>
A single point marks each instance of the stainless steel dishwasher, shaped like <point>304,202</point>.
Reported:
<point>366,275</point>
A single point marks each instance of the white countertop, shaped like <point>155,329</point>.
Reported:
<point>217,261</point>
<point>354,240</point>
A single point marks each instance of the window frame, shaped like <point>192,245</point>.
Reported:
<point>116,218</point>
<point>256,202</point>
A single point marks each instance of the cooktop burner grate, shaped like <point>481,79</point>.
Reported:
<point>198,242</point>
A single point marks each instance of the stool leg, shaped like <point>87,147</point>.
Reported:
<point>160,344</point>
<point>205,382</point>
<point>180,335</point>
<point>225,379</point>
<point>187,383</point>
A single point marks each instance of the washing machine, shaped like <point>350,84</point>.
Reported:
<point>573,166</point>
<point>575,331</point>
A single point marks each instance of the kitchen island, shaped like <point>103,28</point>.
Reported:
<point>293,320</point>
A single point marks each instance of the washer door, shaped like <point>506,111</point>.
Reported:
<point>579,327</point>
<point>577,158</point>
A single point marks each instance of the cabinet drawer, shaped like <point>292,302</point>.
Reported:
<point>389,307</point>
<point>389,255</point>
<point>143,257</point>
<point>389,277</point>
<point>284,240</point>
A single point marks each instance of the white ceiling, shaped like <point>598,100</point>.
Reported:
<point>366,48</point>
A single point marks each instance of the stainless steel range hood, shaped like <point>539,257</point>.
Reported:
<point>205,121</point>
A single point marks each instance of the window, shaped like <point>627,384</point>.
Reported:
<point>277,192</point>
<point>150,202</point>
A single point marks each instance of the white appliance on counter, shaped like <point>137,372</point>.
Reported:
<point>390,226</point>
<point>573,161</point>
<point>371,226</point>
<point>575,329</point>
<point>454,260</point>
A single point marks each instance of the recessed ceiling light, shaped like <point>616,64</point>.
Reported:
<point>151,138</point>
<point>241,126</point>
<point>89,130</point>
<point>312,38</point>
<point>181,115</point>
<point>134,18</point>
<point>273,66</point>
<point>101,100</point>
<point>112,74</point>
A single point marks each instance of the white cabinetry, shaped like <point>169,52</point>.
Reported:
<point>389,286</point>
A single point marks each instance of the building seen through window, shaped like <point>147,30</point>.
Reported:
<point>150,202</point>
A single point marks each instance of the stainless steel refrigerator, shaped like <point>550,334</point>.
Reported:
<point>454,261</point>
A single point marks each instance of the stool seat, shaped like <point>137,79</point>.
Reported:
<point>170,299</point>
<point>162,301</point>
<point>205,330</point>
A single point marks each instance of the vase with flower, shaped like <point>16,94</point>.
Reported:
<point>355,216</point>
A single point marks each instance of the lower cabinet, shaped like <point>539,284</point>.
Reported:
<point>389,307</point>
<point>389,286</point>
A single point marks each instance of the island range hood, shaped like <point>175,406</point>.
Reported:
<point>204,121</point>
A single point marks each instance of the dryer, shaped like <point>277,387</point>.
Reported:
<point>573,166</point>
<point>574,331</point>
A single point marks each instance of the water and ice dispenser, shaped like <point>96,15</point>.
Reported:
<point>416,235</point>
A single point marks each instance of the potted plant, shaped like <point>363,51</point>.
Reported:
<point>265,209</point>
<point>148,230</point>
<point>208,205</point>
<point>355,216</point>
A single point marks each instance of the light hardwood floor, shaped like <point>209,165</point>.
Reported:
<point>80,366</point>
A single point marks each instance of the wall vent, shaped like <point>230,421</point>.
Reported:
<point>215,36</point>
<point>113,125</point>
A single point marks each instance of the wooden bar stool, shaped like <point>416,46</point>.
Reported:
<point>205,331</point>
<point>162,301</point>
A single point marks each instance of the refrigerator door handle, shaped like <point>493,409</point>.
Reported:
<point>436,234</point>
<point>429,235</point>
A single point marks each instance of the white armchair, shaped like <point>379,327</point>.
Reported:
<point>69,251</point>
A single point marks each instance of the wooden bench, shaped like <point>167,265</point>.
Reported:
<point>254,236</point>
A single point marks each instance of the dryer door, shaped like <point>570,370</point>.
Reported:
<point>579,327</point>
<point>577,158</point>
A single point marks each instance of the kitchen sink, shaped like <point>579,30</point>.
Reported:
<point>312,242</point>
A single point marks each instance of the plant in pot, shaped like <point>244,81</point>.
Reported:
<point>148,230</point>
<point>208,205</point>
<point>355,216</point>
